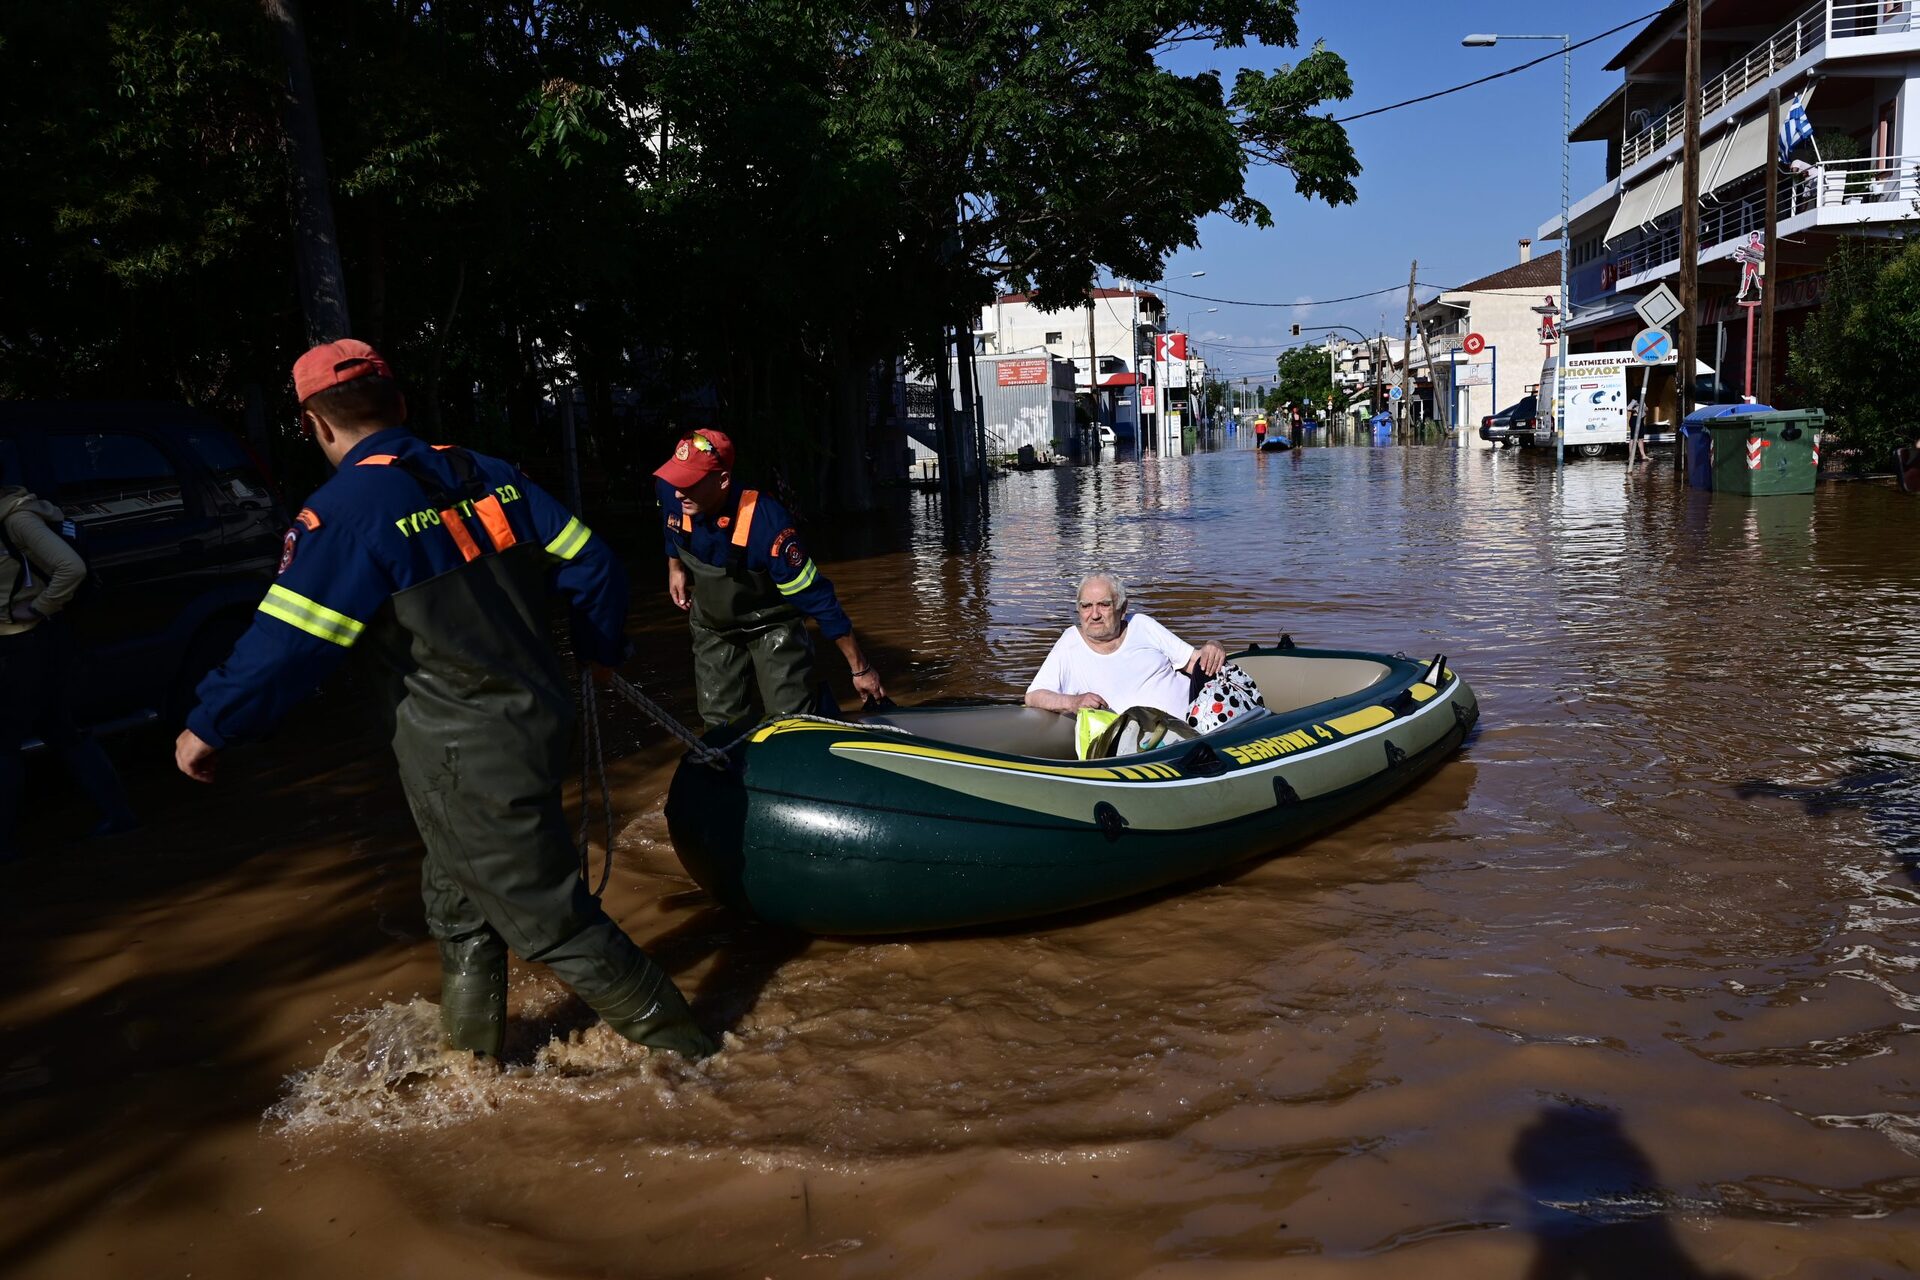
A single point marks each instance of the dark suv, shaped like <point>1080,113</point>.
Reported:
<point>182,531</point>
<point>1512,425</point>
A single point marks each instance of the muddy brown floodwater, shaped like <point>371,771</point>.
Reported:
<point>1627,989</point>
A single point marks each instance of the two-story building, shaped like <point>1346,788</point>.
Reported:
<point>1855,65</point>
<point>1503,312</point>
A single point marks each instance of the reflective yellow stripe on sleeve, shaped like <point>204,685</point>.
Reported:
<point>311,616</point>
<point>801,581</point>
<point>567,543</point>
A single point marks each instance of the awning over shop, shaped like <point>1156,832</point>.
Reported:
<point>1121,380</point>
<point>1741,150</point>
<point>1643,202</point>
<point>1730,155</point>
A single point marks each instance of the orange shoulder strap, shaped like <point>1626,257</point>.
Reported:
<point>743,517</point>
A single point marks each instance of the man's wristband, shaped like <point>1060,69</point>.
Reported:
<point>864,671</point>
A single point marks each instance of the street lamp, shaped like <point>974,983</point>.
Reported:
<point>1486,40</point>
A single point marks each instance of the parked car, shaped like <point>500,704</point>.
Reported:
<point>1514,424</point>
<point>182,531</point>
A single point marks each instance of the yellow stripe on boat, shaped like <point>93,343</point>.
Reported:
<point>766,731</point>
<point>959,757</point>
<point>1421,691</point>
<point>1360,721</point>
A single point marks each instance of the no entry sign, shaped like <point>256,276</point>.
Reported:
<point>1473,344</point>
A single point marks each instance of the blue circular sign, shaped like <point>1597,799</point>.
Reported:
<point>1394,394</point>
<point>1651,346</point>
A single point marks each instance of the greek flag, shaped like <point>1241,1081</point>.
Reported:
<point>1795,128</point>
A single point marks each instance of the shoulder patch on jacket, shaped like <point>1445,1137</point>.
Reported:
<point>780,541</point>
<point>308,518</point>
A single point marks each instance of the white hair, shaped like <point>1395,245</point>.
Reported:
<point>1112,580</point>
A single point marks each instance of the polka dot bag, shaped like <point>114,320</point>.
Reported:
<point>1229,693</point>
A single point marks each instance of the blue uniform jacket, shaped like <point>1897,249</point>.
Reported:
<point>773,548</point>
<point>366,534</point>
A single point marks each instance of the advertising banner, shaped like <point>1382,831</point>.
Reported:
<point>1021,373</point>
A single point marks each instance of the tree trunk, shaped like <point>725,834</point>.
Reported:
<point>323,289</point>
<point>853,481</point>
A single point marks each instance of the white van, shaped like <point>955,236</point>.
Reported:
<point>1600,385</point>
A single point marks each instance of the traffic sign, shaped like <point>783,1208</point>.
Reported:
<point>1658,307</point>
<point>1473,344</point>
<point>1394,394</point>
<point>1651,346</point>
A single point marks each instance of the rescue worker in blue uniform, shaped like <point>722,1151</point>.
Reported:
<point>439,564</point>
<point>736,564</point>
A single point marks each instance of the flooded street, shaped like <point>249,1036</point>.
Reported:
<point>1628,988</point>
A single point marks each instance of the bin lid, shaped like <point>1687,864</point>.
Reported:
<point>1725,411</point>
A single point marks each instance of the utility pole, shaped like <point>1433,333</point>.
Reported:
<point>1406,349</point>
<point>1093,375</point>
<point>1689,318</point>
<point>1770,271</point>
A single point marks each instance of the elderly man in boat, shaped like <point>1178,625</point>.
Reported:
<point>1111,661</point>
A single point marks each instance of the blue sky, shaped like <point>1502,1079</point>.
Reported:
<point>1455,182</point>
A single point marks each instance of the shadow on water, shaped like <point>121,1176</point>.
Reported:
<point>1595,1207</point>
<point>748,955</point>
<point>1881,785</point>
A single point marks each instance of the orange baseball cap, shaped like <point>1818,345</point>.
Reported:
<point>698,455</point>
<point>332,363</point>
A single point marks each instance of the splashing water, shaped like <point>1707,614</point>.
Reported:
<point>391,1071</point>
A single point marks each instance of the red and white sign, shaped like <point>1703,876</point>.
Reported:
<point>1473,344</point>
<point>1021,373</point>
<point>1755,444</point>
<point>1146,399</point>
<point>1169,346</point>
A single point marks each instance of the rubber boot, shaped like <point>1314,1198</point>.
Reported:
<point>473,994</point>
<point>648,1009</point>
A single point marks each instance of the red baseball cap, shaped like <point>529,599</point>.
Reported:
<point>698,455</point>
<point>332,363</point>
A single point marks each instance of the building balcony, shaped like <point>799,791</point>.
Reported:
<point>1832,29</point>
<point>1869,192</point>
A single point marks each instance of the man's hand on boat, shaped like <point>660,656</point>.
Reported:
<point>866,680</point>
<point>1065,703</point>
<point>1209,658</point>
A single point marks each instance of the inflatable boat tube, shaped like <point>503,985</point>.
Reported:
<point>933,818</point>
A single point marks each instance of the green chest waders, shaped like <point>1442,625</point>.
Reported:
<point>480,717</point>
<point>743,627</point>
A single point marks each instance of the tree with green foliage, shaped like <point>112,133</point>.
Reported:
<point>737,209</point>
<point>1304,378</point>
<point>1850,357</point>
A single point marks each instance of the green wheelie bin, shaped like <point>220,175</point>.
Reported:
<point>1767,452</point>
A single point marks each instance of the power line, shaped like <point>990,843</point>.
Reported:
<point>1321,302</point>
<point>1441,93</point>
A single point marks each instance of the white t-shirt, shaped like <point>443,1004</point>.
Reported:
<point>1143,672</point>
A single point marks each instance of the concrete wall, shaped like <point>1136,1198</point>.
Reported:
<point>1512,363</point>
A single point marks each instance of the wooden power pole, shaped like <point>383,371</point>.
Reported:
<point>1689,318</point>
<point>1406,352</point>
<point>1770,272</point>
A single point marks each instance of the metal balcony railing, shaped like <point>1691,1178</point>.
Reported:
<point>1787,46</point>
<point>1847,19</point>
<point>1892,181</point>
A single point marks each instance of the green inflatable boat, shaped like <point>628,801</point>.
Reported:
<point>931,818</point>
